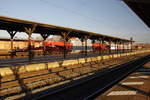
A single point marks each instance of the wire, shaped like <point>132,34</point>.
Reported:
<point>69,10</point>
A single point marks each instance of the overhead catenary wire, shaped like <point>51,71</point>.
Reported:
<point>71,11</point>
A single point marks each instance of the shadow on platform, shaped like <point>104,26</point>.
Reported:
<point>135,89</point>
<point>23,86</point>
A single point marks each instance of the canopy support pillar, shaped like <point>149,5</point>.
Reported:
<point>117,48</point>
<point>123,46</point>
<point>82,40</point>
<point>128,46</point>
<point>110,46</point>
<point>86,38</point>
<point>131,39</point>
<point>65,39</point>
<point>12,34</point>
<point>93,48</point>
<point>100,49</point>
<point>44,36</point>
<point>103,46</point>
<point>29,31</point>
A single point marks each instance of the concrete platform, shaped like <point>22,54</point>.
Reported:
<point>135,87</point>
<point>37,65</point>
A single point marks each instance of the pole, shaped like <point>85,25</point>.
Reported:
<point>64,48</point>
<point>29,46</point>
<point>131,39</point>
<point>85,46</point>
<point>45,36</point>
<point>29,31</point>
<point>117,48</point>
<point>102,46</point>
<point>109,46</point>
<point>65,38</point>
<point>123,47</point>
<point>12,34</point>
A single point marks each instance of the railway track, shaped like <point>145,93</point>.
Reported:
<point>36,81</point>
<point>40,59</point>
<point>95,84</point>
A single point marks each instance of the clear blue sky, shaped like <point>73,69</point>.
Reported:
<point>110,17</point>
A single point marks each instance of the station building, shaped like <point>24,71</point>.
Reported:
<point>5,44</point>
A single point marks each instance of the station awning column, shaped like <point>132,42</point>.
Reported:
<point>123,47</point>
<point>12,34</point>
<point>103,45</point>
<point>82,40</point>
<point>100,49</point>
<point>65,39</point>
<point>86,37</point>
<point>93,48</point>
<point>117,47</point>
<point>131,43</point>
<point>29,31</point>
<point>128,46</point>
<point>45,36</point>
<point>110,46</point>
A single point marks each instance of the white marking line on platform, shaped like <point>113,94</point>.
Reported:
<point>139,77</point>
<point>132,83</point>
<point>113,93</point>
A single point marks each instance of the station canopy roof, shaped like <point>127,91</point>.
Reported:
<point>13,24</point>
<point>141,8</point>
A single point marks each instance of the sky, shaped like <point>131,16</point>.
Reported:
<point>109,17</point>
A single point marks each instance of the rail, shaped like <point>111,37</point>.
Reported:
<point>86,89</point>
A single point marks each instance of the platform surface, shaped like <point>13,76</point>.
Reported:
<point>135,87</point>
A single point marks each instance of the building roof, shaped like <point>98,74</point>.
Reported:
<point>7,23</point>
<point>141,8</point>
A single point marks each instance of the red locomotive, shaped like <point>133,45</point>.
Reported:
<point>58,46</point>
<point>97,47</point>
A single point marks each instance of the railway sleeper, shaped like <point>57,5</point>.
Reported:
<point>30,86</point>
<point>57,69</point>
<point>81,71</point>
<point>68,74</point>
<point>73,66</point>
